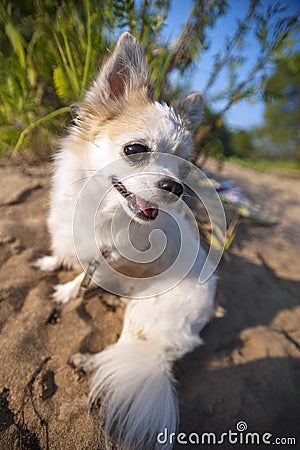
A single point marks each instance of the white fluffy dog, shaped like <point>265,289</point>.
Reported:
<point>111,148</point>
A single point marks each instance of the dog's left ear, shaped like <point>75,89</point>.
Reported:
<point>190,110</point>
<point>124,71</point>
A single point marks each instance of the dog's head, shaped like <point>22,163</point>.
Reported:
<point>121,121</point>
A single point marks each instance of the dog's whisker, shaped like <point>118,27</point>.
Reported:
<point>79,180</point>
<point>73,169</point>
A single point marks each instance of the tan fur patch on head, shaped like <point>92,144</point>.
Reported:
<point>94,119</point>
<point>119,106</point>
<point>136,119</point>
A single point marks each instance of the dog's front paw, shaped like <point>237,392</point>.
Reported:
<point>46,263</point>
<point>64,293</point>
<point>68,291</point>
<point>87,362</point>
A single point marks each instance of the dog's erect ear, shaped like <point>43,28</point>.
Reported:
<point>190,109</point>
<point>124,71</point>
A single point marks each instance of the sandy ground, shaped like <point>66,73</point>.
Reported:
<point>248,370</point>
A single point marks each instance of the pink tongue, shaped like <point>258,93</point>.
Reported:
<point>149,212</point>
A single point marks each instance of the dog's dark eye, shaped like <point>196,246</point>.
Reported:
<point>137,152</point>
<point>133,149</point>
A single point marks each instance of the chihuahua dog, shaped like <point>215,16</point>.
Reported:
<point>126,148</point>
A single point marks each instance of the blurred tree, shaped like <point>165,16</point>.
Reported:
<point>280,135</point>
<point>214,138</point>
<point>273,31</point>
<point>242,144</point>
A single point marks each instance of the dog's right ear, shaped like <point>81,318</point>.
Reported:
<point>190,109</point>
<point>125,70</point>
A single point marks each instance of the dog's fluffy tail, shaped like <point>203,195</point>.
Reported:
<point>135,386</point>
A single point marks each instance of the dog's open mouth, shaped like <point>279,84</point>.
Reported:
<point>140,207</point>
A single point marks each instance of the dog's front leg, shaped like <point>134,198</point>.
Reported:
<point>68,291</point>
<point>47,263</point>
<point>74,288</point>
<point>63,292</point>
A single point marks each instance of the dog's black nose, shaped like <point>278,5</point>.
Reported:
<point>170,185</point>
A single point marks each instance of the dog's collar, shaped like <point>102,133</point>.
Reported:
<point>89,272</point>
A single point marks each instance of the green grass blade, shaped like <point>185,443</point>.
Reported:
<point>17,43</point>
<point>87,61</point>
<point>61,84</point>
<point>73,72</point>
<point>26,131</point>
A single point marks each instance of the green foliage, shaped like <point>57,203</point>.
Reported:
<point>22,88</point>
<point>272,30</point>
<point>220,143</point>
<point>18,103</point>
<point>242,145</point>
<point>78,40</point>
<point>280,135</point>
<point>290,168</point>
<point>213,138</point>
<point>47,64</point>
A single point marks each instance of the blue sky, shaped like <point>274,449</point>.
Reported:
<point>244,114</point>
